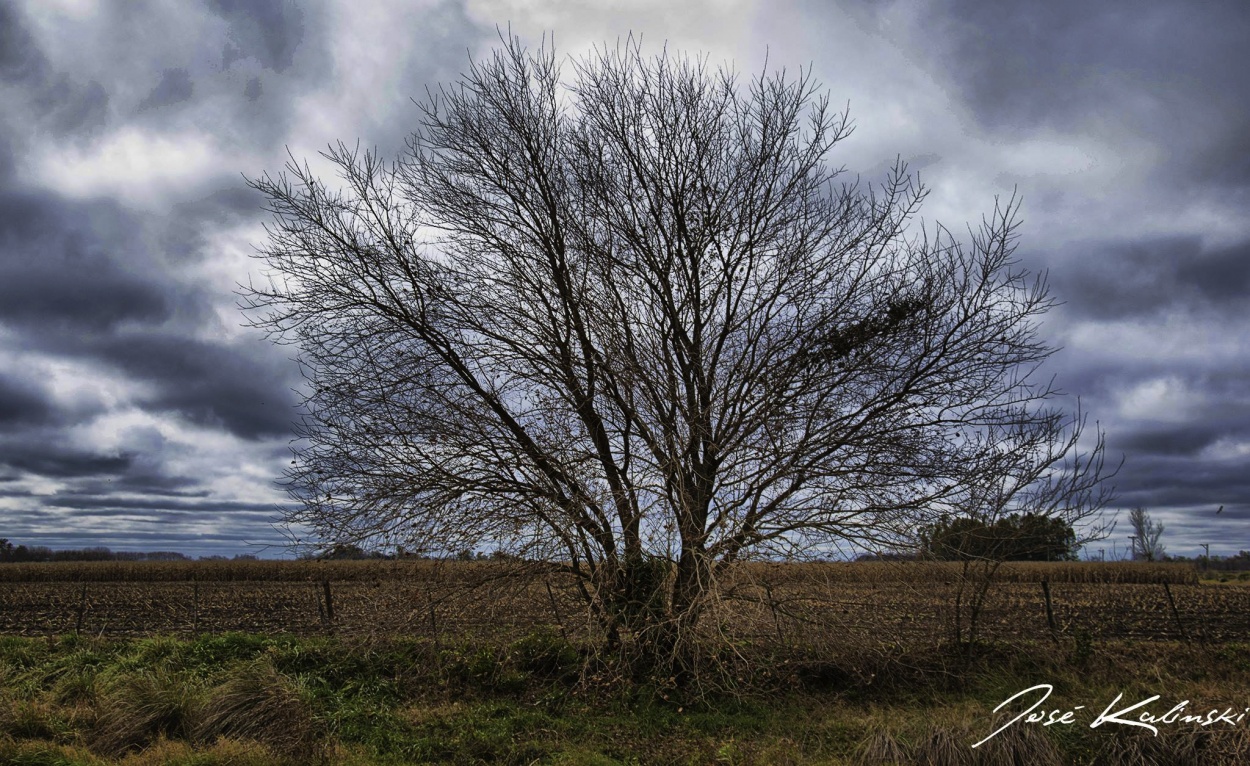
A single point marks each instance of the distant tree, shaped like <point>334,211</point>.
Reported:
<point>1145,537</point>
<point>888,556</point>
<point>343,552</point>
<point>167,556</point>
<point>1016,537</point>
<point>32,553</point>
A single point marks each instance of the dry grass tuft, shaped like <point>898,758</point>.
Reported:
<point>943,748</point>
<point>28,720</point>
<point>1020,746</point>
<point>1175,748</point>
<point>141,708</point>
<point>259,704</point>
<point>880,749</point>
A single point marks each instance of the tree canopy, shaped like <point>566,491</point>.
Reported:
<point>1015,537</point>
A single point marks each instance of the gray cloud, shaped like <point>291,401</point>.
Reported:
<point>58,462</point>
<point>269,32</point>
<point>6,157</point>
<point>215,385</point>
<point>61,104</point>
<point>64,264</point>
<point>175,87</point>
<point>1166,72</point>
<point>91,283</point>
<point>21,60</point>
<point>21,404</point>
<point>77,278</point>
<point>99,297</point>
<point>206,508</point>
<point>1182,441</point>
<point>253,89</point>
<point>1108,280</point>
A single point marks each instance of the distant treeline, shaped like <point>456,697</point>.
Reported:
<point>10,553</point>
<point>1238,563</point>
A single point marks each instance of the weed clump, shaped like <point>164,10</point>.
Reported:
<point>141,707</point>
<point>256,703</point>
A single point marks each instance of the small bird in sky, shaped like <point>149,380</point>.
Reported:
<point>1220,511</point>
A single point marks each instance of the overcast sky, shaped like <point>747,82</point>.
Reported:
<point>137,412</point>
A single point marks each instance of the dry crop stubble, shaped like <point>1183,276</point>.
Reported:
<point>791,605</point>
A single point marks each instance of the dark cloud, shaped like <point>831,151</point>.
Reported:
<point>270,32</point>
<point>1221,276</point>
<point>1179,441</point>
<point>1038,63</point>
<point>143,476</point>
<point>61,265</point>
<point>145,525</point>
<point>251,536</point>
<point>96,295</point>
<point>21,60</point>
<point>204,506</point>
<point>51,461</point>
<point>1163,481</point>
<point>6,157</point>
<point>240,388</point>
<point>1170,74</point>
<point>216,385</point>
<point>74,108</point>
<point>186,231</point>
<point>174,88</point>
<point>61,104</point>
<point>21,403</point>
<point>1110,280</point>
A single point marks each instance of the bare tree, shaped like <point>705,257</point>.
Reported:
<point>634,326</point>
<point>1145,537</point>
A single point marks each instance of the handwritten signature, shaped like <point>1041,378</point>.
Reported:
<point>1145,719</point>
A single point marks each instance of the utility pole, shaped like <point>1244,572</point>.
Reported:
<point>1206,554</point>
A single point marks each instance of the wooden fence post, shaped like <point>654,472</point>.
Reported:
<point>772,604</point>
<point>1175,614</point>
<point>325,587</point>
<point>555,609</point>
<point>82,608</point>
<point>1050,612</point>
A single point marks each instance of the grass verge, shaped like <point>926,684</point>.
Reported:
<point>244,699</point>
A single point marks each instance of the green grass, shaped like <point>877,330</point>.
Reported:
<point>244,699</point>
